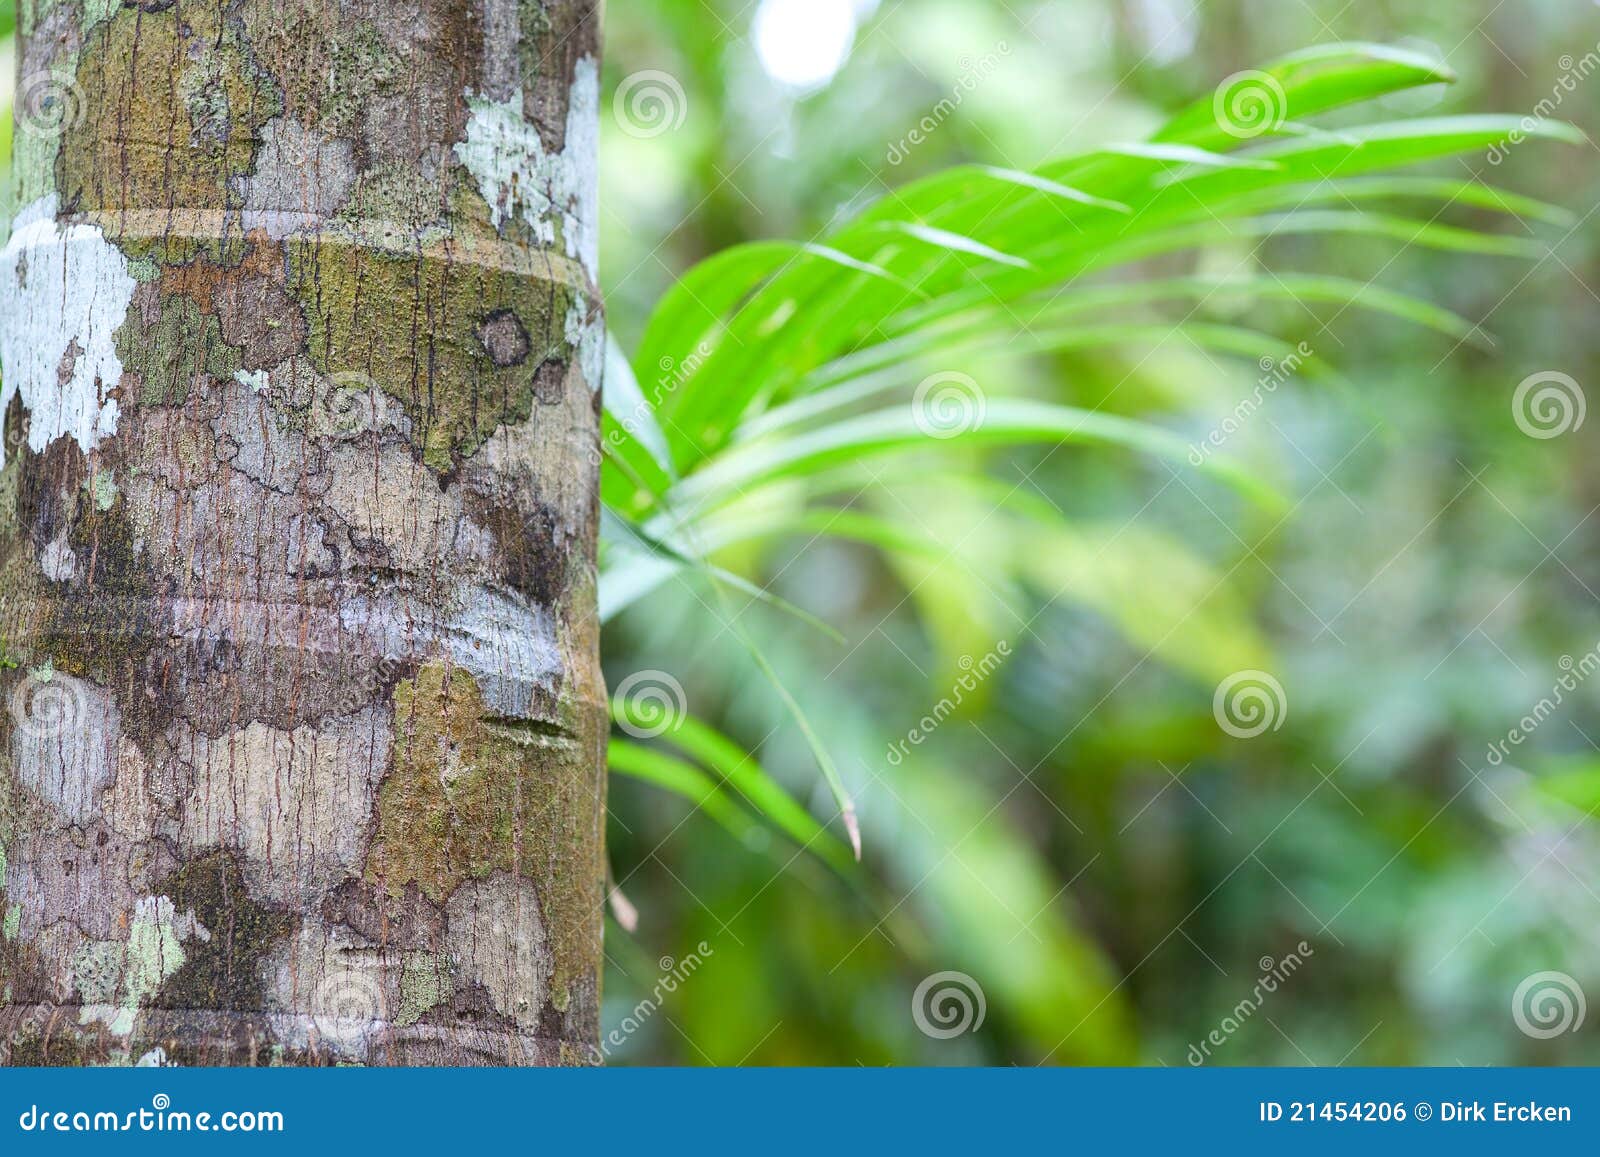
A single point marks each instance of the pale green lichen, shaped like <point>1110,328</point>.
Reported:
<point>103,489</point>
<point>94,11</point>
<point>424,982</point>
<point>155,952</point>
<point>144,268</point>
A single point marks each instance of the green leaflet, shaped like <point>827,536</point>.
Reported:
<point>768,369</point>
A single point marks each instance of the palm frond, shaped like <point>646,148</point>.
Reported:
<point>773,367</point>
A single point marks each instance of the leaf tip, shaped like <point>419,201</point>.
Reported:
<point>622,908</point>
<point>853,826</point>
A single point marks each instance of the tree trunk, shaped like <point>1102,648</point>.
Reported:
<point>303,760</point>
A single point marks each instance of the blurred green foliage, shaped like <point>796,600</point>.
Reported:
<point>1082,839</point>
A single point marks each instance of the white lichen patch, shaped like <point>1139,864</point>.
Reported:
<point>519,177</point>
<point>508,645</point>
<point>497,938</point>
<point>257,380</point>
<point>64,291</point>
<point>58,562</point>
<point>586,333</point>
<point>581,177</point>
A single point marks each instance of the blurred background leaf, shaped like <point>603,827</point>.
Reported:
<point>1075,831</point>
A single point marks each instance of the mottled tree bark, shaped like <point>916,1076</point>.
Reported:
<point>303,749</point>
